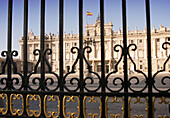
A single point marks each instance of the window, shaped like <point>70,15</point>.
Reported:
<point>131,41</point>
<point>53,45</point>
<point>157,40</point>
<point>75,44</point>
<point>98,68</point>
<point>168,39</point>
<point>158,67</point>
<point>47,45</point>
<point>141,66</point>
<point>140,41</point>
<point>67,44</point>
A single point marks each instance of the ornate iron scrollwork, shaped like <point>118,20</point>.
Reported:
<point>160,100</point>
<point>3,110</point>
<point>36,52</point>
<point>91,78</point>
<point>116,49</point>
<point>35,97</point>
<point>18,112</point>
<point>92,100</point>
<point>114,101</point>
<point>72,99</point>
<point>138,71</point>
<point>73,79</point>
<point>54,98</point>
<point>48,79</point>
<point>138,100</point>
<point>158,72</point>
<point>3,81</point>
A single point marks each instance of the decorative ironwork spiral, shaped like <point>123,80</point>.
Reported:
<point>50,79</point>
<point>138,71</point>
<point>73,80</point>
<point>165,47</point>
<point>91,78</point>
<point>36,52</point>
<point>16,79</point>
<point>3,81</point>
<point>116,79</point>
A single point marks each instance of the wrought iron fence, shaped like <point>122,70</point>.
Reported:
<point>21,88</point>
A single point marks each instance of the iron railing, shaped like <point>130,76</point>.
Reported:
<point>61,92</point>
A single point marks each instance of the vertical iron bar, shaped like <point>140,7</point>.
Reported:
<point>61,55</point>
<point>9,50</point>
<point>42,43</point>
<point>125,58</point>
<point>9,42</point>
<point>25,64</point>
<point>42,55</point>
<point>150,81</point>
<point>102,55</point>
<point>81,54</point>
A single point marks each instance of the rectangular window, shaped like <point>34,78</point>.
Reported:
<point>131,41</point>
<point>168,39</point>
<point>140,41</point>
<point>67,44</point>
<point>53,45</point>
<point>157,40</point>
<point>141,66</point>
<point>98,68</point>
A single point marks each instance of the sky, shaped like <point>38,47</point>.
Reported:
<point>112,12</point>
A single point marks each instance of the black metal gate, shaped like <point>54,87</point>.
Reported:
<point>62,94</point>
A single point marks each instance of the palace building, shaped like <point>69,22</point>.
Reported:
<point>112,38</point>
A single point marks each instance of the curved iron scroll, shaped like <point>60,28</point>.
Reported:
<point>3,81</point>
<point>49,80</point>
<point>75,80</point>
<point>95,75</point>
<point>116,79</point>
<point>165,47</point>
<point>138,71</point>
<point>14,80</point>
<point>131,78</point>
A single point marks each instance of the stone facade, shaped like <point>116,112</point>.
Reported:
<point>112,38</point>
